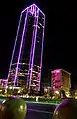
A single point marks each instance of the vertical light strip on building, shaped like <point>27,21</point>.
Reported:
<point>42,50</point>
<point>32,11</point>
<point>33,38</point>
<point>20,47</point>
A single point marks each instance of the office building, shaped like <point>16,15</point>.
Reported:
<point>26,62</point>
<point>61,80</point>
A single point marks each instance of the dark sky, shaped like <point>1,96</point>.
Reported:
<point>60,47</point>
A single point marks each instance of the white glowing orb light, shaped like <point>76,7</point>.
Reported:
<point>57,92</point>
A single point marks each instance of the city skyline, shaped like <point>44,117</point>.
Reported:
<point>60,35</point>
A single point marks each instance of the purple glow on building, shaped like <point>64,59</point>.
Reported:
<point>28,48</point>
<point>20,48</point>
<point>60,80</point>
<point>57,71</point>
<point>56,79</point>
<point>42,49</point>
<point>31,7</point>
<point>33,39</point>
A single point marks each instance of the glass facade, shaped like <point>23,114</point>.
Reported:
<point>26,62</point>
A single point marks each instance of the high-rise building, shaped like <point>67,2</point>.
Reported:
<point>26,63</point>
<point>60,80</point>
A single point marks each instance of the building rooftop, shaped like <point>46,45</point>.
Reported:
<point>57,70</point>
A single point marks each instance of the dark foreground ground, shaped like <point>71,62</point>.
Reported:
<point>39,111</point>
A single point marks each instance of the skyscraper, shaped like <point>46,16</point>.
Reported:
<point>26,62</point>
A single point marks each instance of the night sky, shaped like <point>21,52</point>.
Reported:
<point>60,47</point>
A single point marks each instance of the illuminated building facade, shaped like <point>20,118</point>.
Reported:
<point>61,80</point>
<point>26,62</point>
<point>3,83</point>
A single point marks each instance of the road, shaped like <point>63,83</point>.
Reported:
<point>39,111</point>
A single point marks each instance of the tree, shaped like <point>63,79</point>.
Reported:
<point>51,93</point>
<point>62,94</point>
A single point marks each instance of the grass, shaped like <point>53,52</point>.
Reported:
<point>41,101</point>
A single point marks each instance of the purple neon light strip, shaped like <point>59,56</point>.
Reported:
<point>31,49</point>
<point>39,9</point>
<point>27,8</point>
<point>31,53</point>
<point>20,47</point>
<point>15,44</point>
<point>34,38</point>
<point>30,6</point>
<point>42,51</point>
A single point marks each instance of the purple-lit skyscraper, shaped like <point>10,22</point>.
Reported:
<point>26,62</point>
